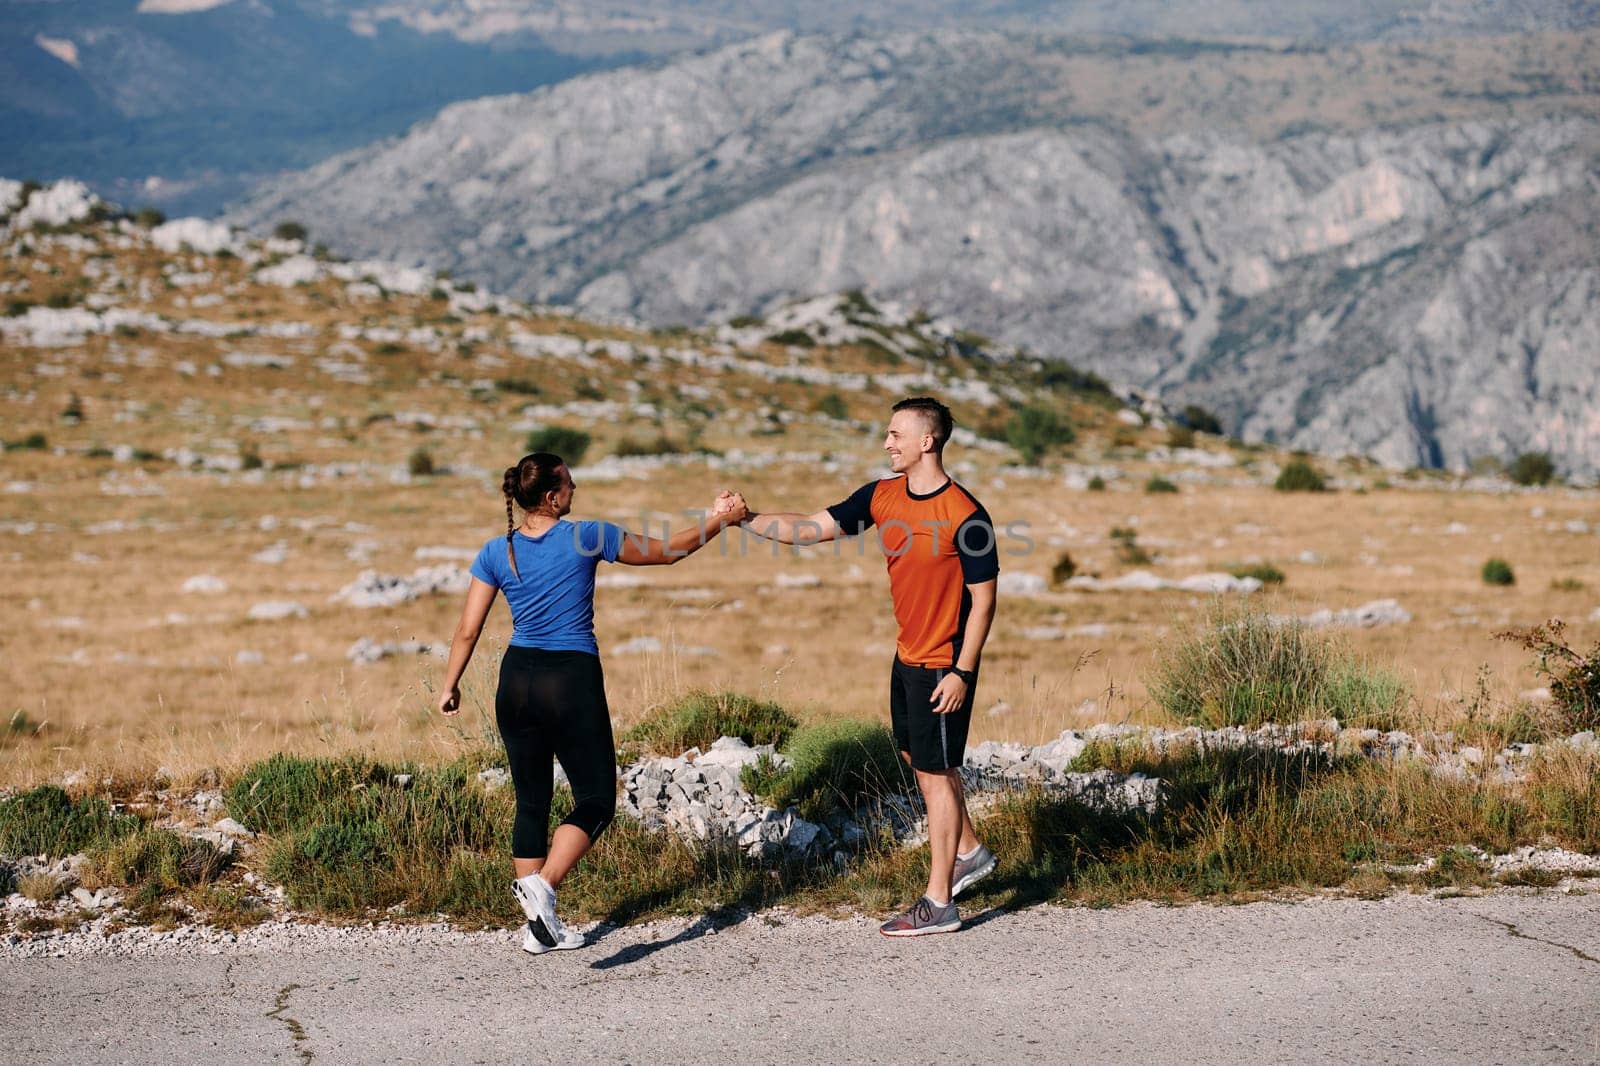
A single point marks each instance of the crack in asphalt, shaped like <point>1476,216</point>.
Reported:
<point>296,1030</point>
<point>1511,927</point>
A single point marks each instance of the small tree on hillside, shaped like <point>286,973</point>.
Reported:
<point>1532,468</point>
<point>1298,475</point>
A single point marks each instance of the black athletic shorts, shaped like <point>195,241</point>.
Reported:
<point>934,741</point>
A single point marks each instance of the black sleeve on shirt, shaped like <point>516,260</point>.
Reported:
<point>854,515</point>
<point>977,544</point>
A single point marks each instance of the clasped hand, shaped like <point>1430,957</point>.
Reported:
<point>732,505</point>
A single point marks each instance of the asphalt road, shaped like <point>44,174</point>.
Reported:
<point>1503,978</point>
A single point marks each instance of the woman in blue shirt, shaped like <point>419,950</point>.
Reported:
<point>551,699</point>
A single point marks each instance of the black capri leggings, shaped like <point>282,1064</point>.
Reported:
<point>554,703</point>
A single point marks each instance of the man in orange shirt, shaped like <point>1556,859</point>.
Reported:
<point>943,564</point>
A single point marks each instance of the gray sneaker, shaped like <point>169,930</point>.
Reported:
<point>969,872</point>
<point>924,917</point>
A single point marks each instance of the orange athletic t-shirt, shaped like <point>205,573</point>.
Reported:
<point>936,545</point>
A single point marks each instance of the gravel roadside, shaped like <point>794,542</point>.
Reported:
<point>1508,976</point>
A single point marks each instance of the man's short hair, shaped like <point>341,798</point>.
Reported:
<point>939,420</point>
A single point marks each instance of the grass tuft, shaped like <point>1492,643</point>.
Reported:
<point>834,764</point>
<point>41,887</point>
<point>1244,668</point>
<point>700,718</point>
<point>1364,695</point>
<point>1241,669</point>
<point>154,863</point>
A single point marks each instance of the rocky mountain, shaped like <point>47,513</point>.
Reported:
<point>186,103</point>
<point>1379,249</point>
<point>666,25</point>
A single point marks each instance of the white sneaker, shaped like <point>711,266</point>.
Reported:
<point>565,940</point>
<point>538,901</point>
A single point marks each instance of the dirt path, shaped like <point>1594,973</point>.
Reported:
<point>1509,977</point>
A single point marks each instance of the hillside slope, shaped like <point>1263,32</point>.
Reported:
<point>1377,249</point>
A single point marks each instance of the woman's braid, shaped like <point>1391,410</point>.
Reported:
<point>509,486</point>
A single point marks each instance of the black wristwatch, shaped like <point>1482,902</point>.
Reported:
<point>967,676</point>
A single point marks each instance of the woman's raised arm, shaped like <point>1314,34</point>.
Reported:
<point>655,551</point>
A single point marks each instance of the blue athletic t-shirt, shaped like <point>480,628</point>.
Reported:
<point>552,602</point>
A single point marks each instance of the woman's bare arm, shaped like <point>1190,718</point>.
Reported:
<point>655,551</point>
<point>480,597</point>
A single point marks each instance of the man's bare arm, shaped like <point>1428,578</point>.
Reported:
<point>979,619</point>
<point>951,693</point>
<point>788,528</point>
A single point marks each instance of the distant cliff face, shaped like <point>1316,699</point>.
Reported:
<point>1340,250</point>
<point>665,25</point>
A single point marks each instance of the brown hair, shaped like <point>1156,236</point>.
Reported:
<point>941,423</point>
<point>526,485</point>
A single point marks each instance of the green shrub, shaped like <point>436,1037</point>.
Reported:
<point>33,442</point>
<point>1055,375</point>
<point>1179,436</point>
<point>796,338</point>
<point>289,231</point>
<point>1033,431</point>
<point>518,386</point>
<point>1097,484</point>
<point>47,821</point>
<point>832,405</point>
<point>1265,573</point>
<point>698,719</point>
<point>1498,572</point>
<point>334,867</point>
<point>660,444</point>
<point>835,764</point>
<point>1242,668</point>
<point>856,302</point>
<point>1159,485</point>
<point>1063,569</point>
<point>1298,475</point>
<point>250,458</point>
<point>148,218</point>
<point>347,837</point>
<point>1201,420</point>
<point>288,790</point>
<point>1532,468</point>
<point>570,444</point>
<point>16,308</point>
<point>420,463</point>
<point>1125,546</point>
<point>1574,677</point>
<point>1566,584</point>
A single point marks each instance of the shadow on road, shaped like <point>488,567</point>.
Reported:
<point>711,922</point>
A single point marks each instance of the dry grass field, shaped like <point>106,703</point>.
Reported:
<point>111,665</point>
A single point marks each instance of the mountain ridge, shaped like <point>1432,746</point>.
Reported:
<point>1071,207</point>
